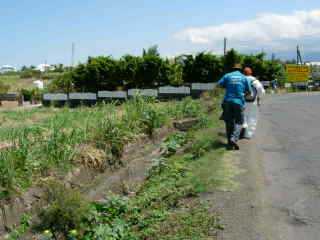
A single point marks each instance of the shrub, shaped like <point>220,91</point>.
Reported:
<point>63,83</point>
<point>151,70</point>
<point>27,94</point>
<point>107,220</point>
<point>187,108</point>
<point>7,175</point>
<point>142,114</point>
<point>100,73</point>
<point>173,143</point>
<point>111,135</point>
<point>66,211</point>
<point>151,119</point>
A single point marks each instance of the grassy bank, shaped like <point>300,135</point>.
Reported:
<point>48,146</point>
<point>167,205</point>
<point>15,82</point>
<point>18,81</point>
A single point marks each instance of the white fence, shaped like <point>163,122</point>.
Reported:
<point>112,94</point>
<point>203,86</point>
<point>166,91</point>
<point>143,92</point>
<point>9,97</point>
<point>174,90</point>
<point>55,97</point>
<point>82,96</point>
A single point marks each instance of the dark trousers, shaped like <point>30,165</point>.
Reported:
<point>233,116</point>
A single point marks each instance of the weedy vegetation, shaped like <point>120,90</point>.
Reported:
<point>49,146</point>
<point>166,206</point>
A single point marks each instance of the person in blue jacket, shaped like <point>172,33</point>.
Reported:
<point>236,86</point>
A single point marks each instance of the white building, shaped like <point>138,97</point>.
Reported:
<point>7,68</point>
<point>315,69</point>
<point>44,67</point>
<point>38,84</point>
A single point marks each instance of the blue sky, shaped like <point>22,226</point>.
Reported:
<point>35,31</point>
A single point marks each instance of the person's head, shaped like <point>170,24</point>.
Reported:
<point>247,71</point>
<point>237,67</point>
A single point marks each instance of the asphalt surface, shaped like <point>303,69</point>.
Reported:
<point>288,142</point>
<point>279,193</point>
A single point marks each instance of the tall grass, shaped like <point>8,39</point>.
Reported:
<point>51,145</point>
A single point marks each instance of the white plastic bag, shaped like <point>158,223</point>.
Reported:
<point>251,119</point>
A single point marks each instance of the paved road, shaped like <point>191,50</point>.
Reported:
<point>288,140</point>
<point>279,193</point>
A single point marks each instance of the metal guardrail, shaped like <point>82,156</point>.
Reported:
<point>9,97</point>
<point>73,99</point>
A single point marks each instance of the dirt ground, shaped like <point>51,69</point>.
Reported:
<point>9,105</point>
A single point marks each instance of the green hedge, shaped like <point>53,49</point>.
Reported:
<point>151,70</point>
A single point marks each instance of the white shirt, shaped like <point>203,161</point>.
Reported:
<point>258,86</point>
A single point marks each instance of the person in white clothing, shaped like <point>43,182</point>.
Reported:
<point>253,102</point>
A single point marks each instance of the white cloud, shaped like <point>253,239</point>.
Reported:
<point>271,31</point>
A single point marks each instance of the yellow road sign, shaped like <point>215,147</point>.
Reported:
<point>297,73</point>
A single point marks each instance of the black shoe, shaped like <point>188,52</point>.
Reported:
<point>234,145</point>
<point>230,147</point>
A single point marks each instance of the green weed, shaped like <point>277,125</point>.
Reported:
<point>65,212</point>
<point>173,143</point>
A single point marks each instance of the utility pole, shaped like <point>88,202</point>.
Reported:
<point>299,57</point>
<point>72,55</point>
<point>225,46</point>
<point>297,54</point>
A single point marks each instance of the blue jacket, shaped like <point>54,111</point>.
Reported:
<point>236,85</point>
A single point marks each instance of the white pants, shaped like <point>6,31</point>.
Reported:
<point>251,119</point>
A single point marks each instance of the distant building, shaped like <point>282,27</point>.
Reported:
<point>38,84</point>
<point>44,67</point>
<point>7,68</point>
<point>315,69</point>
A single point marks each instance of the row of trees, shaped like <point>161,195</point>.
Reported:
<point>151,70</point>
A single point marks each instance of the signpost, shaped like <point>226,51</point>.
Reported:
<point>298,74</point>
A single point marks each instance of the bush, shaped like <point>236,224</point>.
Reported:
<point>111,135</point>
<point>100,73</point>
<point>151,70</point>
<point>33,95</point>
<point>187,108</point>
<point>27,94</point>
<point>62,84</point>
<point>107,220</point>
<point>141,114</point>
<point>173,143</point>
<point>66,211</point>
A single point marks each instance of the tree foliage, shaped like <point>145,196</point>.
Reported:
<point>151,70</point>
<point>230,59</point>
<point>63,83</point>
